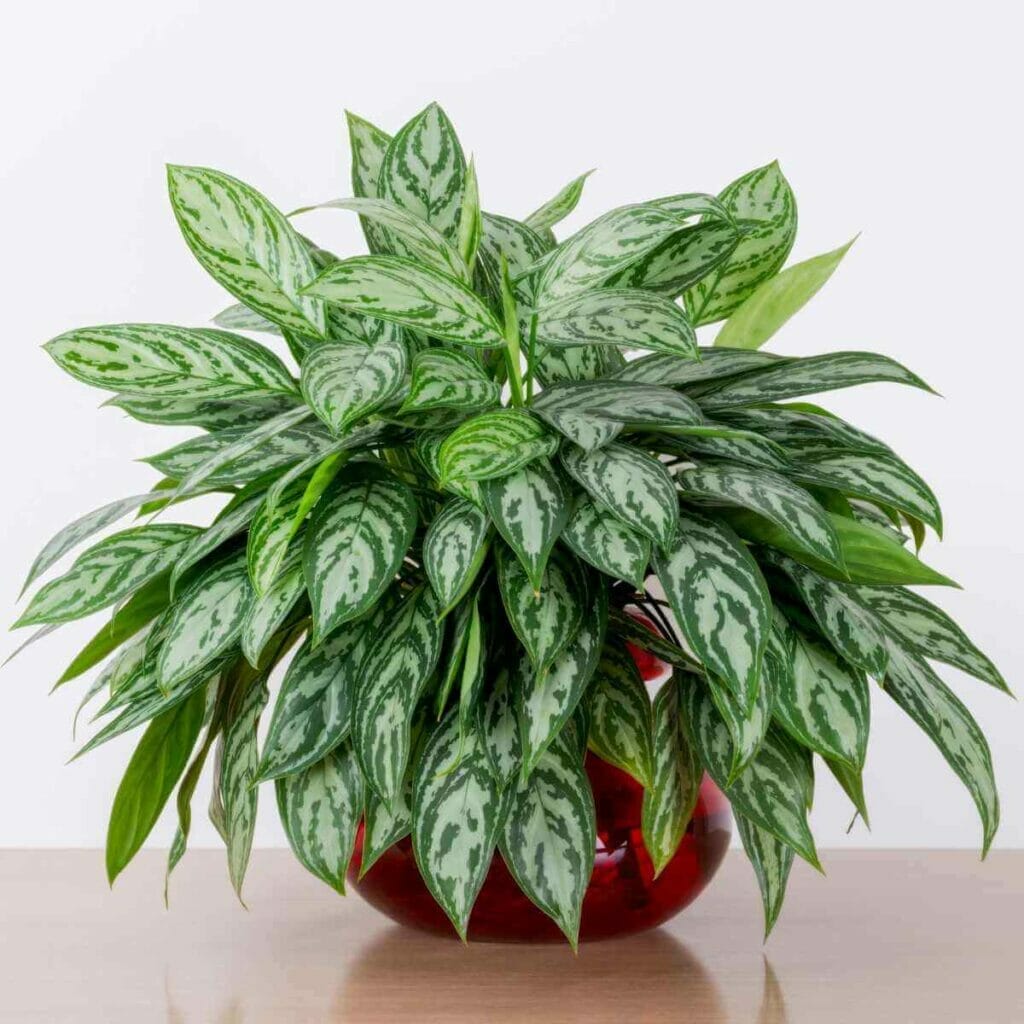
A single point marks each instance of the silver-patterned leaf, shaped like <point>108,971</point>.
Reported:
<point>519,245</point>
<point>617,316</point>
<point>108,572</point>
<point>492,445</point>
<point>582,362</point>
<point>670,798</point>
<point>771,495</point>
<point>344,383</point>
<point>247,245</point>
<point>921,627</point>
<point>161,361</point>
<point>391,679</point>
<point>805,431</point>
<point>529,507</point>
<point>763,204</point>
<point>715,441</point>
<point>621,721</point>
<point>269,610</point>
<point>603,540</point>
<point>748,719</point>
<point>206,620</point>
<point>240,317</point>
<point>631,485</point>
<point>207,413</point>
<point>457,814</point>
<point>771,861</point>
<point>950,726</point>
<point>720,600</point>
<point>428,446</point>
<point>498,728</point>
<point>713,364</point>
<point>549,837</point>
<point>415,296</point>
<point>444,378</point>
<point>354,545</point>
<point>454,549</point>
<point>320,809</point>
<point>368,145</point>
<point>559,206</point>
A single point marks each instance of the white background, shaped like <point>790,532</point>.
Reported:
<point>898,120</point>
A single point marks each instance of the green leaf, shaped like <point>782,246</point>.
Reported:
<point>763,204</point>
<point>603,540</point>
<point>247,245</point>
<point>457,814</point>
<point>631,485</point>
<point>713,364</point>
<point>428,446</point>
<point>471,225</point>
<point>617,316</point>
<point>454,550</point>
<point>805,430</point>
<point>919,626</point>
<point>771,790</point>
<point>950,726</point>
<point>492,445</point>
<point>240,317</point>
<point>771,861</point>
<point>546,619</point>
<point>529,507</point>
<point>809,376</point>
<point>269,611</point>
<point>771,495</point>
<point>161,361</point>
<point>549,837</point>
<point>720,600</point>
<point>320,809</point>
<point>391,679</point>
<point>205,621</point>
<point>519,244</point>
<point>671,797</point>
<point>774,301</point>
<point>368,144</point>
<point>444,378</point>
<point>355,543</point>
<point>823,703</point>
<point>208,413</point>
<point>151,776</point>
<point>344,383</point>
<point>621,721</point>
<point>556,209</point>
<point>108,572</point>
<point>715,441</point>
<point>408,293</point>
<point>498,728</point>
<point>424,171</point>
<point>544,703</point>
<point>581,362</point>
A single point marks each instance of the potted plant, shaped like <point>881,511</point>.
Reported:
<point>473,524</point>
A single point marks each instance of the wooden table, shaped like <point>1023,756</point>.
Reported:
<point>889,936</point>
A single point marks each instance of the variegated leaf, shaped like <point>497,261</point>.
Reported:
<point>603,540</point>
<point>237,777</point>
<point>775,300</point>
<point>771,861</point>
<point>631,485</point>
<point>268,611</point>
<point>544,703</point>
<point>770,495</point>
<point>344,383</point>
<point>247,245</point>
<point>240,317</point>
<point>950,726</point>
<point>582,362</point>
<point>454,550</point>
<point>424,171</point>
<point>617,316</point>
<point>806,430</point>
<point>809,376</point>
<point>728,444</point>
<point>368,145</point>
<point>852,782</point>
<point>161,361</point>
<point>207,619</point>
<point>529,507</point>
<point>207,413</point>
<point>408,293</point>
<point>549,837</point>
<point>713,364</point>
<point>850,626</point>
<point>354,545</point>
<point>473,670</point>
<point>384,826</point>
<point>546,619</point>
<point>720,600</point>
<point>559,206</point>
<point>763,204</point>
<point>771,791</point>
<point>621,721</point>
<point>926,630</point>
<point>444,378</point>
<point>824,702</point>
<point>670,798</point>
<point>602,248</point>
<point>428,446</point>
<point>457,814</point>
<point>108,572</point>
<point>391,679</point>
<point>492,445</point>
<point>747,718</point>
<point>320,808</point>
<point>498,729</point>
<point>471,224</point>
<point>519,245</point>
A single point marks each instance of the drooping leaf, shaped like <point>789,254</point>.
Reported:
<point>444,378</point>
<point>603,540</point>
<point>559,206</point>
<point>246,245</point>
<point>718,442</point>
<point>498,728</point>
<point>268,612</point>
<point>771,861</point>
<point>454,550</point>
<point>805,430</point>
<point>492,445</point>
<point>713,364</point>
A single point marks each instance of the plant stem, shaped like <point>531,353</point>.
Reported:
<point>531,359</point>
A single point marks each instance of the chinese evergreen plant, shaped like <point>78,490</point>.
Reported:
<point>451,509</point>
